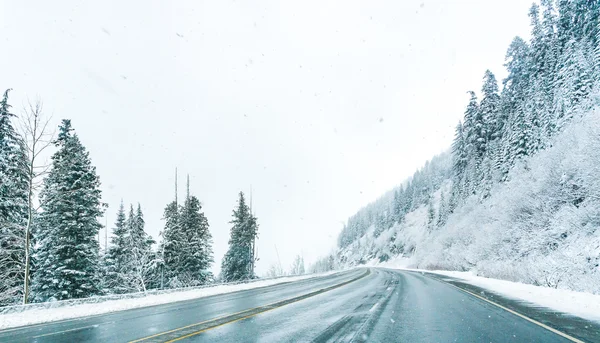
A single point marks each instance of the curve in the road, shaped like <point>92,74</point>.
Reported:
<point>387,306</point>
<point>383,306</point>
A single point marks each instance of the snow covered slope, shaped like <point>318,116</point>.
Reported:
<point>518,195</point>
<point>541,226</point>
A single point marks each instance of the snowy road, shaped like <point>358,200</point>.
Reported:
<point>372,305</point>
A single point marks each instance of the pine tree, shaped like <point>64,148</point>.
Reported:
<point>585,14</point>
<point>517,66</point>
<point>13,168</point>
<point>536,107</point>
<point>592,29</point>
<point>430,216</point>
<point>13,206</point>
<point>380,224</point>
<point>564,24</point>
<point>583,77</point>
<point>238,262</point>
<point>142,260</point>
<point>115,259</point>
<point>544,42</point>
<point>396,206</point>
<point>476,138</point>
<point>522,135</point>
<point>67,252</point>
<point>144,239</point>
<point>443,211</point>
<point>475,128</point>
<point>575,79</point>
<point>460,159</point>
<point>173,243</point>
<point>199,256</point>
<point>596,57</point>
<point>517,135</point>
<point>130,262</point>
<point>513,101</point>
<point>493,119</point>
<point>551,49</point>
<point>504,153</point>
<point>405,202</point>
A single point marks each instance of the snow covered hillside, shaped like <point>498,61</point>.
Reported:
<point>518,195</point>
<point>541,226</point>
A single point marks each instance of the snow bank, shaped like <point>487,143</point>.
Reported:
<point>43,315</point>
<point>580,304</point>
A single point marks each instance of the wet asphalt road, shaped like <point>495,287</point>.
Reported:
<point>362,305</point>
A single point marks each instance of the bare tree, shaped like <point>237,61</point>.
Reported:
<point>144,264</point>
<point>297,266</point>
<point>275,270</point>
<point>37,137</point>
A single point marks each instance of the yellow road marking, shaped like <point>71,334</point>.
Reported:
<point>188,326</point>
<point>260,309</point>
<point>562,334</point>
<point>216,326</point>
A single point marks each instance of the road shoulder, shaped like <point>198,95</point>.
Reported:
<point>577,327</point>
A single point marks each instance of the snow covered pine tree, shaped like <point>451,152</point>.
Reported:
<point>238,262</point>
<point>13,207</point>
<point>66,253</point>
<point>186,248</point>
<point>115,258</point>
<point>198,255</point>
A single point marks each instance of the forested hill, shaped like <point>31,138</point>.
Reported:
<point>518,195</point>
<point>394,205</point>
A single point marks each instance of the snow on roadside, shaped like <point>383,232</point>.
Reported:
<point>580,304</point>
<point>37,316</point>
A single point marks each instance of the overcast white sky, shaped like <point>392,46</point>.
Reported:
<point>319,106</point>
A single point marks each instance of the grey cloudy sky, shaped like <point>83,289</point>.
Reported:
<point>319,106</point>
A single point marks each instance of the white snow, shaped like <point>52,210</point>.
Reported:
<point>37,316</point>
<point>540,227</point>
<point>580,304</point>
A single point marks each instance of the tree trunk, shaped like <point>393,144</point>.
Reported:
<point>28,236</point>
